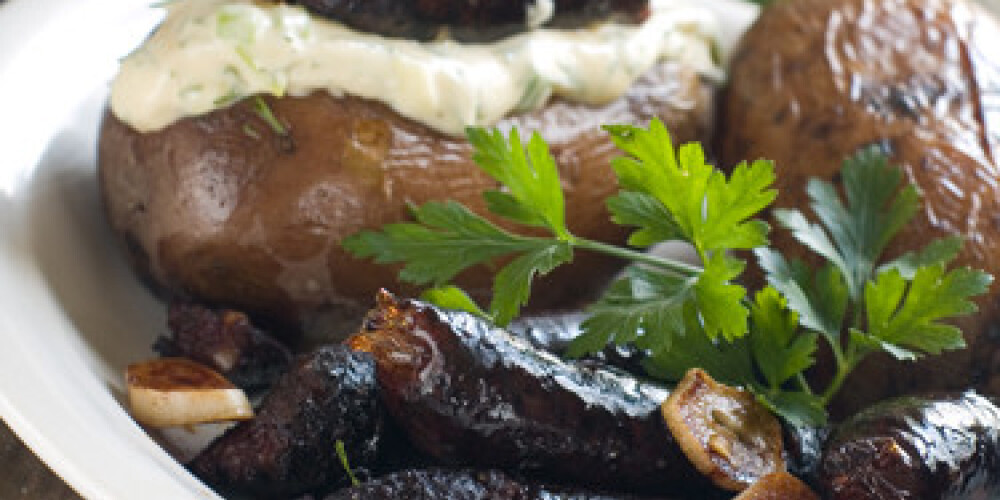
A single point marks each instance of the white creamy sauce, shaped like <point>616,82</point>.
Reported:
<point>208,54</point>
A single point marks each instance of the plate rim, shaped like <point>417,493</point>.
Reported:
<point>64,412</point>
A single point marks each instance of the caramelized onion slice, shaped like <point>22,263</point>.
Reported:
<point>778,486</point>
<point>724,431</point>
<point>171,392</point>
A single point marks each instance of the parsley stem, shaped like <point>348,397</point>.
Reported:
<point>845,365</point>
<point>803,383</point>
<point>859,317</point>
<point>678,267</point>
<point>831,390</point>
<point>838,378</point>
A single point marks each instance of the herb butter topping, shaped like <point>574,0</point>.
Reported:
<point>208,54</point>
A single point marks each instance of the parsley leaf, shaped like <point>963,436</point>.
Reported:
<point>782,353</point>
<point>678,196</point>
<point>652,309</point>
<point>905,320</point>
<point>709,211</point>
<point>533,194</point>
<point>820,300</point>
<point>446,239</point>
<point>655,222</point>
<point>454,298</point>
<point>729,206</point>
<point>939,251</point>
<point>797,407</point>
<point>727,362</point>
<point>645,307</point>
<point>878,206</point>
<point>719,301</point>
<point>512,285</point>
<point>779,350</point>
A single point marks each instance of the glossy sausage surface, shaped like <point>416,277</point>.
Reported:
<point>945,448</point>
<point>471,394</point>
<point>555,331</point>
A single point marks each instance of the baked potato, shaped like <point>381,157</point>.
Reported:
<point>815,80</point>
<point>228,209</point>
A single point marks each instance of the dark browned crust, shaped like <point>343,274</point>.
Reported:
<point>943,448</point>
<point>464,20</point>
<point>815,80</point>
<point>803,448</point>
<point>461,484</point>
<point>227,342</point>
<point>224,210</point>
<point>289,447</point>
<point>470,394</point>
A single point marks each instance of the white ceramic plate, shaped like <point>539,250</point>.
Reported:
<point>72,316</point>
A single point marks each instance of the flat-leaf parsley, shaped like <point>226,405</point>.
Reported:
<point>685,315</point>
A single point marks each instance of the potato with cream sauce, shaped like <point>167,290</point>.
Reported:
<point>244,140</point>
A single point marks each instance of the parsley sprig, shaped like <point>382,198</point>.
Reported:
<point>858,306</point>
<point>686,315</point>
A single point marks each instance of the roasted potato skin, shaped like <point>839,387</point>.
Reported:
<point>815,80</point>
<point>224,209</point>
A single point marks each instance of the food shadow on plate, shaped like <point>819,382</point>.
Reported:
<point>116,317</point>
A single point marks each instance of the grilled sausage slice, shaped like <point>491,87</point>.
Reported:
<point>461,484</point>
<point>289,447</point>
<point>226,341</point>
<point>468,393</point>
<point>943,448</point>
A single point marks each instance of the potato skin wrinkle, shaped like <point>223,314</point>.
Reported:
<point>224,209</point>
<point>815,80</point>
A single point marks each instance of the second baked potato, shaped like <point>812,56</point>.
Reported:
<point>816,80</point>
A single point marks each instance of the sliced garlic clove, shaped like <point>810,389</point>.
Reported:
<point>171,392</point>
<point>778,486</point>
<point>728,436</point>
